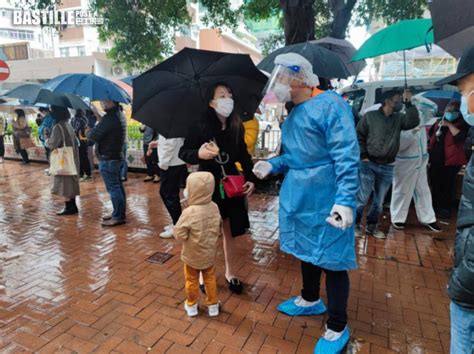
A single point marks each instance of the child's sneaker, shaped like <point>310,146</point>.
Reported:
<point>213,310</point>
<point>191,310</point>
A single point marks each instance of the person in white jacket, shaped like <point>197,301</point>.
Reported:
<point>172,172</point>
<point>410,178</point>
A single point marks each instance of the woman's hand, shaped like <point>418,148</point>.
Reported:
<point>249,188</point>
<point>206,154</point>
<point>153,144</point>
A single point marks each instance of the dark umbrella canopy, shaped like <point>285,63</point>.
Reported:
<point>453,24</point>
<point>172,95</point>
<point>26,92</point>
<point>325,63</point>
<point>344,50</point>
<point>61,99</point>
<point>442,98</point>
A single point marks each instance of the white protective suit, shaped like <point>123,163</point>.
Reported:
<point>410,178</point>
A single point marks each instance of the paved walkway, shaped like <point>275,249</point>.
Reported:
<point>81,288</point>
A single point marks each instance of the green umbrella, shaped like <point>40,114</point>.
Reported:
<point>403,35</point>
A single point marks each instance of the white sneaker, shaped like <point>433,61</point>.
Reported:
<point>1,159</point>
<point>213,310</point>
<point>167,233</point>
<point>192,310</point>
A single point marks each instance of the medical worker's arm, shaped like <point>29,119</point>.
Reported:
<point>343,149</point>
<point>411,118</point>
<point>362,134</point>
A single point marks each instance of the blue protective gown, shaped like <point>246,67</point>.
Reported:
<point>320,162</point>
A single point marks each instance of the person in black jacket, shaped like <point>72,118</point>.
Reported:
<point>79,123</point>
<point>222,125</point>
<point>109,135</point>
<point>461,283</point>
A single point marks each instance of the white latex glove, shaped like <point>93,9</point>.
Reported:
<point>341,217</point>
<point>262,169</point>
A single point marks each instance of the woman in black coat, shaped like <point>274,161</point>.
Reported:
<point>222,125</point>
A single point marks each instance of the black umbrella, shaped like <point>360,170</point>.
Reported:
<point>344,50</point>
<point>171,96</point>
<point>325,63</point>
<point>61,99</point>
<point>453,23</point>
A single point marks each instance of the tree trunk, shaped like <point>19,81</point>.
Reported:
<point>299,20</point>
<point>342,12</point>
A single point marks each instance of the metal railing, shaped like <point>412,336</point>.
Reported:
<point>267,143</point>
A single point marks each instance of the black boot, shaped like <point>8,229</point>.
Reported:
<point>69,209</point>
<point>74,206</point>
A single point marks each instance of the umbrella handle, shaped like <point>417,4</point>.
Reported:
<point>427,45</point>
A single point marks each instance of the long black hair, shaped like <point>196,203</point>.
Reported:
<point>60,113</point>
<point>234,123</point>
<point>20,113</point>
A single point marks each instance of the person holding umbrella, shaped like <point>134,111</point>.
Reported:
<point>222,126</point>
<point>62,134</point>
<point>109,135</point>
<point>447,156</point>
<point>44,130</point>
<point>22,136</point>
<point>378,133</point>
<point>461,283</point>
<point>318,195</point>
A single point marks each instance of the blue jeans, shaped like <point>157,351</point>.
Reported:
<point>462,330</point>
<point>110,171</point>
<point>124,166</point>
<point>373,178</point>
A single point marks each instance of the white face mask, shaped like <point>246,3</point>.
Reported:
<point>225,106</point>
<point>282,92</point>
<point>185,193</point>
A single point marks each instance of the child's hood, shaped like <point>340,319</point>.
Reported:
<point>200,187</point>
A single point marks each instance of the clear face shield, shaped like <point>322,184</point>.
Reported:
<point>279,83</point>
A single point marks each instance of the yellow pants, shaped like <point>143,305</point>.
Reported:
<point>191,277</point>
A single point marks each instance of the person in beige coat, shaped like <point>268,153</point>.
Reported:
<point>22,136</point>
<point>199,228</point>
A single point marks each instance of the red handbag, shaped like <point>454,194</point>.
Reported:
<point>233,186</point>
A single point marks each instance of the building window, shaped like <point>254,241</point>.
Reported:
<point>17,34</point>
<point>64,52</point>
<point>81,51</point>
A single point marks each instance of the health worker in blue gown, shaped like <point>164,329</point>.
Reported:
<point>318,196</point>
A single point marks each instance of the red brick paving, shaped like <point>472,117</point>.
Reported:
<point>80,288</point>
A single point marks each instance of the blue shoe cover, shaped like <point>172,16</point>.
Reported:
<point>291,309</point>
<point>324,346</point>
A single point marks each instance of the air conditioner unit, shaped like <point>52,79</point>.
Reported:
<point>117,71</point>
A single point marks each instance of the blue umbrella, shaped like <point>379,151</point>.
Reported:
<point>88,85</point>
<point>128,79</point>
<point>27,92</point>
<point>442,97</point>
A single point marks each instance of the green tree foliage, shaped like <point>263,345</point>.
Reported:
<point>143,31</point>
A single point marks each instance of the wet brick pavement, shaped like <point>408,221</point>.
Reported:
<point>80,288</point>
